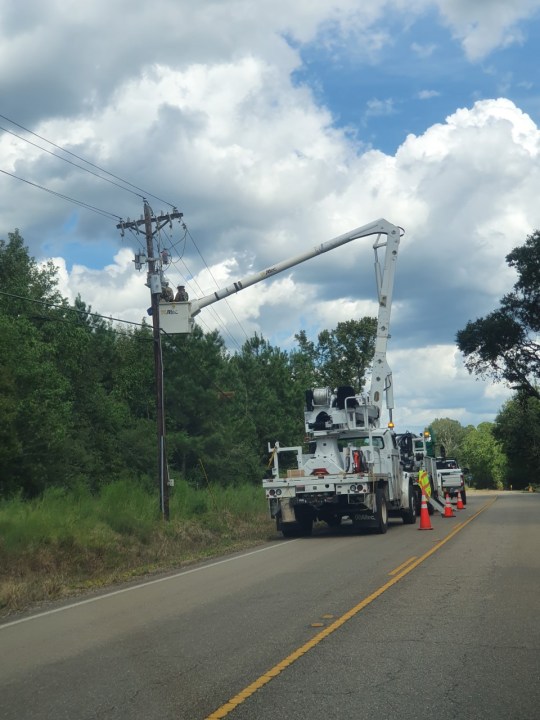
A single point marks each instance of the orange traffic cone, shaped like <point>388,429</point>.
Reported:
<point>425,522</point>
<point>460,505</point>
<point>448,512</point>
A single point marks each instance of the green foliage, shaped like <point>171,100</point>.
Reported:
<point>78,406</point>
<point>517,428</point>
<point>77,521</point>
<point>340,357</point>
<point>73,390</point>
<point>448,434</point>
<point>504,344</point>
<point>272,402</point>
<point>484,457</point>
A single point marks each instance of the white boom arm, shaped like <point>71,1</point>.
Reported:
<point>379,227</point>
<point>177,317</point>
<point>381,378</point>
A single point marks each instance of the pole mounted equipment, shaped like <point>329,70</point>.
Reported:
<point>152,225</point>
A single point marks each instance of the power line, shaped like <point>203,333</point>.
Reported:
<point>104,213</point>
<point>97,167</point>
<point>70,309</point>
<point>214,279</point>
<point>50,152</point>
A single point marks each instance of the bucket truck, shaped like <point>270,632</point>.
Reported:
<point>352,466</point>
<point>445,475</point>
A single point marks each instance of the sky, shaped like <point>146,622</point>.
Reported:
<point>275,126</point>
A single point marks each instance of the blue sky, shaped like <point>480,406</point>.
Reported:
<point>273,127</point>
<point>417,80</point>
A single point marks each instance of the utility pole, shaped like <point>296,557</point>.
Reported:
<point>154,283</point>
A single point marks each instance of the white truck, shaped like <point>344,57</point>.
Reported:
<point>451,477</point>
<point>351,468</point>
<point>417,453</point>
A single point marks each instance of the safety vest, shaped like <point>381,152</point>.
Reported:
<point>423,481</point>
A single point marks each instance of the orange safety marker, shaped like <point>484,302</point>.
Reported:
<point>448,512</point>
<point>425,522</point>
<point>460,505</point>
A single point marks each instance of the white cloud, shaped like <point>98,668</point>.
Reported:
<point>427,94</point>
<point>206,114</point>
<point>483,26</point>
<point>376,107</point>
<point>423,51</point>
<point>464,206</point>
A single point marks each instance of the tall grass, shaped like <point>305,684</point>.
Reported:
<point>69,540</point>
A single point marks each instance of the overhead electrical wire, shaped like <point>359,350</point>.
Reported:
<point>81,203</point>
<point>88,162</point>
<point>214,279</point>
<point>107,214</point>
<point>174,262</point>
<point>81,167</point>
<point>56,306</point>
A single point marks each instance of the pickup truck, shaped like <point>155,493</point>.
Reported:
<point>451,477</point>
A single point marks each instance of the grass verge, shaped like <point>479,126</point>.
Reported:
<point>69,542</point>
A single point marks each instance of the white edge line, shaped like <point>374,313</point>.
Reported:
<point>140,585</point>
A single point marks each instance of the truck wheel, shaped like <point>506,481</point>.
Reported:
<point>409,515</point>
<point>306,526</point>
<point>290,529</point>
<point>304,520</point>
<point>381,513</point>
<point>333,521</point>
<point>464,496</point>
<point>303,527</point>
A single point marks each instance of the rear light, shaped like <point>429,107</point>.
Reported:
<point>320,472</point>
<point>352,488</point>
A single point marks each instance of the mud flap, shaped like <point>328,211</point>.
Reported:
<point>287,510</point>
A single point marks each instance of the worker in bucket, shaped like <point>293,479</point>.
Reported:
<point>181,295</point>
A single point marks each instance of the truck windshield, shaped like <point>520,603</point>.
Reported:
<point>447,465</point>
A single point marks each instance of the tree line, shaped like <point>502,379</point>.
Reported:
<point>77,400</point>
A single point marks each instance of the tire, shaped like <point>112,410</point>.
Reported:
<point>464,496</point>
<point>381,513</point>
<point>305,526</point>
<point>302,527</point>
<point>290,530</point>
<point>409,515</point>
<point>333,521</point>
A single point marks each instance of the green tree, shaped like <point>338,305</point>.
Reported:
<point>517,428</point>
<point>274,402</point>
<point>449,434</point>
<point>35,413</point>
<point>342,355</point>
<point>485,458</point>
<point>210,435</point>
<point>504,345</point>
<point>35,398</point>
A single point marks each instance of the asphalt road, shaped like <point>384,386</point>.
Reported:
<point>325,627</point>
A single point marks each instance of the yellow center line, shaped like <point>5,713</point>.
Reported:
<point>400,567</point>
<point>264,679</point>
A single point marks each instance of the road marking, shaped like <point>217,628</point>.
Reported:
<point>269,675</point>
<point>141,585</point>
<point>400,567</point>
